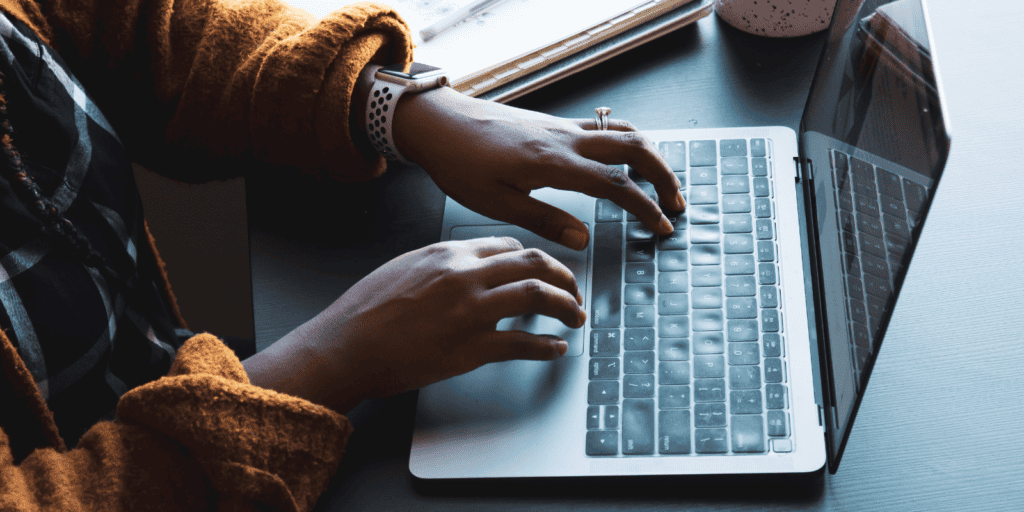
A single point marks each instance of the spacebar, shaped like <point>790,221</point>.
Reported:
<point>607,304</point>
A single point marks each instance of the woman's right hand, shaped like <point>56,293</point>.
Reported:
<point>425,316</point>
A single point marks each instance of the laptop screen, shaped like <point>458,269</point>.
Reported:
<point>874,132</point>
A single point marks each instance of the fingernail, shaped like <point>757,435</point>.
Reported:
<point>666,226</point>
<point>579,298</point>
<point>679,184</point>
<point>583,319</point>
<point>575,238</point>
<point>561,347</point>
<point>680,202</point>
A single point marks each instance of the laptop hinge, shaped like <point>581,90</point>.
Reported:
<point>821,417</point>
<point>799,171</point>
<point>804,170</point>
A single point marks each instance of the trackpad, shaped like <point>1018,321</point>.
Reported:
<point>576,261</point>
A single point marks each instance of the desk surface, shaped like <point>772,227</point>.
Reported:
<point>940,425</point>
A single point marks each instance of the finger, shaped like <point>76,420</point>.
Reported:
<point>605,182</point>
<point>508,345</point>
<point>531,296</point>
<point>529,263</point>
<point>489,245</point>
<point>638,152</point>
<point>555,224</point>
<point>619,125</point>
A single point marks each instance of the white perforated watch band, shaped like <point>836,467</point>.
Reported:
<point>379,109</point>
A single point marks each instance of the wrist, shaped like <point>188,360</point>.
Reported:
<point>419,120</point>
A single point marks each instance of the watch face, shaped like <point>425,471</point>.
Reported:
<point>415,70</point>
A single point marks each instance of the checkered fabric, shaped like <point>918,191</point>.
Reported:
<point>83,343</point>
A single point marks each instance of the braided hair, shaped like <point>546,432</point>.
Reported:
<point>57,227</point>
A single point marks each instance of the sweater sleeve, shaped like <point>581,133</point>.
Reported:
<point>213,89</point>
<point>201,438</point>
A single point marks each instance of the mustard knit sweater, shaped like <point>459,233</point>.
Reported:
<point>202,90</point>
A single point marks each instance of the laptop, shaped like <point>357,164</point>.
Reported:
<point>703,349</point>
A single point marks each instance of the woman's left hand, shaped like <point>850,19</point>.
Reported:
<point>489,156</point>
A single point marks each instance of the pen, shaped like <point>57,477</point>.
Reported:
<point>474,8</point>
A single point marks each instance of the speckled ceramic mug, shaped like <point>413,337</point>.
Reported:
<point>777,18</point>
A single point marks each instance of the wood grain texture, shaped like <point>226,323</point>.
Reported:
<point>940,427</point>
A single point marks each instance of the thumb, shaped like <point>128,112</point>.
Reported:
<point>507,345</point>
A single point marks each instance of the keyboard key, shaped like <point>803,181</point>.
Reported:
<point>681,176</point>
<point>638,427</point>
<point>711,342</point>
<point>872,245</point>
<point>869,225</point>
<point>611,416</point>
<point>703,153</point>
<point>739,264</point>
<point>770,320</point>
<point>639,294</point>
<point>674,372</point>
<point>772,345</point>
<point>737,223</point>
<point>674,241</point>
<point>603,392</point>
<point>669,261</point>
<point>594,417</point>
<point>741,307</point>
<point>761,187</point>
<point>708,367</point>
<point>707,254</point>
<point>707,320</point>
<point>732,165</point>
<point>710,440</point>
<point>639,339</point>
<point>674,154</point>
<point>875,266</point>
<point>762,207</point>
<point>704,214</point>
<point>759,166</point>
<point>673,349</point>
<point>673,397</point>
<point>765,251</point>
<point>604,342</point>
<point>704,176</point>
<point>745,401</point>
<point>709,275</point>
<point>648,189</point>
<point>709,415</point>
<point>673,304</point>
<point>638,386</point>
<point>773,369</point>
<point>640,316</point>
<point>673,432</point>
<point>639,272</point>
<point>640,251</point>
<point>877,287</point>
<point>674,326</point>
<point>607,280</point>
<point>709,390</point>
<point>703,194</point>
<point>866,205</point>
<point>775,396</point>
<point>637,231</point>
<point>739,244</point>
<point>764,229</point>
<point>707,298</point>
<point>607,211</point>
<point>604,368</point>
<point>757,147</point>
<point>896,227</point>
<point>889,184</point>
<point>639,361</point>
<point>603,442</point>
<point>705,234</point>
<point>892,206</point>
<point>769,297</point>
<point>735,185</point>
<point>778,426</point>
<point>747,434</point>
<point>744,377</point>
<point>735,203</point>
<point>672,282</point>
<point>840,161</point>
<point>733,147</point>
<point>742,330</point>
<point>766,273</point>
<point>740,286</point>
<point>745,354</point>
<point>915,195</point>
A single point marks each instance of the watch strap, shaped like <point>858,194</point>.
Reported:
<point>380,107</point>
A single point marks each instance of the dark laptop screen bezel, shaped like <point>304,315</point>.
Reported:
<point>824,115</point>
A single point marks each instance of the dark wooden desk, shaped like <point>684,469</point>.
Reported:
<point>940,427</point>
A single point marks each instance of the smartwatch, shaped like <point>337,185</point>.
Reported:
<point>389,83</point>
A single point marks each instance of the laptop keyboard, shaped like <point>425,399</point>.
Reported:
<point>686,347</point>
<point>877,209</point>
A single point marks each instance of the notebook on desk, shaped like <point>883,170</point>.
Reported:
<point>702,348</point>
